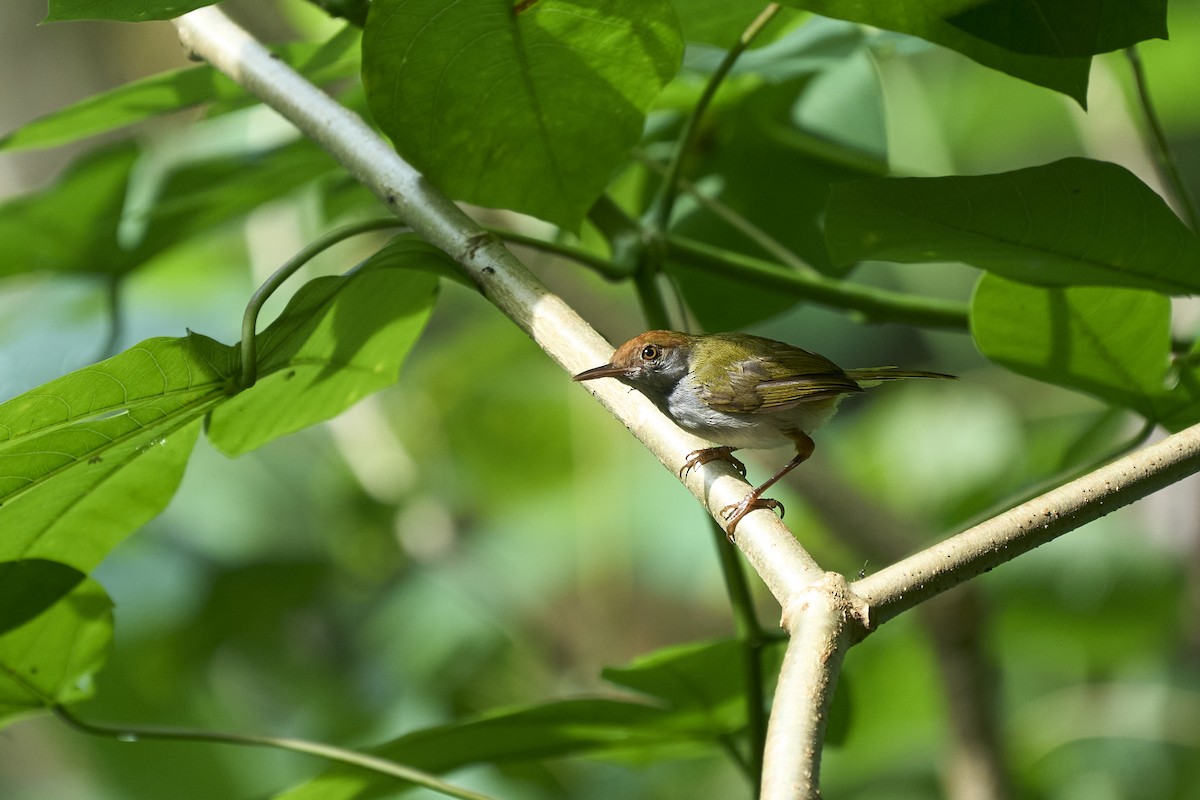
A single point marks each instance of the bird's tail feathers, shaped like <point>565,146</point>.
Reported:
<point>868,376</point>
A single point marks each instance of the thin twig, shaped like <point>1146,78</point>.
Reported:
<point>903,585</point>
<point>765,241</point>
<point>1121,448</point>
<point>1164,157</point>
<point>137,733</point>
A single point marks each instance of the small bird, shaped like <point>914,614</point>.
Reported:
<point>741,391</point>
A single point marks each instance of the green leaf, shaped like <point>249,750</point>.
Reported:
<point>175,90</point>
<point>29,587</point>
<point>408,251</point>
<point>708,677</point>
<point>1111,343</point>
<point>553,730</point>
<point>81,223</point>
<point>1179,407</point>
<point>338,340</point>
<point>701,684</point>
<point>71,225</point>
<point>720,22</point>
<point>1072,222</point>
<point>198,196</point>
<point>354,11</point>
<point>927,19</point>
<point>50,660</point>
<point>122,10</point>
<point>693,675</point>
<point>87,458</point>
<point>531,110</point>
<point>1064,27</point>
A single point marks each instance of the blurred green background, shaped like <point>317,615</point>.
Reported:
<point>482,534</point>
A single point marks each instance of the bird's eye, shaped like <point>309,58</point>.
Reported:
<point>650,352</point>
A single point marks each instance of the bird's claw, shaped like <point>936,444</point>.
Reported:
<point>698,458</point>
<point>733,513</point>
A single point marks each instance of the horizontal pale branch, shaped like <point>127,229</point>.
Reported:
<point>1002,538</point>
<point>769,546</point>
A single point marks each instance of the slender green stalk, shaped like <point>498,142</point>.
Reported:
<point>665,202</point>
<point>649,291</point>
<point>729,744</point>
<point>1162,148</point>
<point>328,752</point>
<point>768,243</point>
<point>876,305</point>
<point>753,638</point>
<point>636,253</point>
<point>622,232</point>
<point>116,320</point>
<point>310,251</point>
<point>601,266</point>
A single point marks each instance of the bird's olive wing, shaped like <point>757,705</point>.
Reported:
<point>787,377</point>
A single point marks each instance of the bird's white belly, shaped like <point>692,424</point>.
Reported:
<point>753,430</point>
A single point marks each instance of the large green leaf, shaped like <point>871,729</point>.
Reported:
<point>121,10</point>
<point>927,19</point>
<point>1065,27</point>
<point>338,340</point>
<point>700,686</point>
<point>693,675</point>
<point>1072,222</point>
<point>199,196</point>
<point>530,107</point>
<point>81,223</point>
<point>70,225</point>
<point>1111,343</point>
<point>175,90</point>
<point>50,660</point>
<point>721,23</point>
<point>553,730</point>
<point>707,678</point>
<point>87,458</point>
<point>29,587</point>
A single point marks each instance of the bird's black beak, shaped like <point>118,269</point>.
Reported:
<point>606,371</point>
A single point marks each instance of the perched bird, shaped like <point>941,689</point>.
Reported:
<point>740,391</point>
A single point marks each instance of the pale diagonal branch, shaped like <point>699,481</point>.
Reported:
<point>772,550</point>
<point>822,616</point>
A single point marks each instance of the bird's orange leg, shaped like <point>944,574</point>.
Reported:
<point>698,457</point>
<point>732,514</point>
